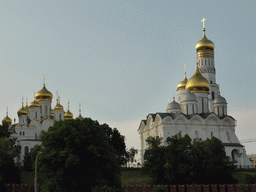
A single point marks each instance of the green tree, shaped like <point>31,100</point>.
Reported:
<point>9,172</point>
<point>117,141</point>
<point>182,161</point>
<point>77,156</point>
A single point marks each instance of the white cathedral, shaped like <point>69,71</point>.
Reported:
<point>35,117</point>
<point>200,112</point>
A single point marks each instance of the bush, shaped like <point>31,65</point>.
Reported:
<point>250,179</point>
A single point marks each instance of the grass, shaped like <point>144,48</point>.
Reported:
<point>135,177</point>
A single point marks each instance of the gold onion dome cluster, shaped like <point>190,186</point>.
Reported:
<point>204,43</point>
<point>22,111</point>
<point>7,120</point>
<point>197,83</point>
<point>43,95</point>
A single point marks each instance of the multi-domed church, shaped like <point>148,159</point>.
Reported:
<point>35,117</point>
<point>200,111</point>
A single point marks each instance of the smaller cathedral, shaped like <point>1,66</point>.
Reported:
<point>33,118</point>
<point>200,111</point>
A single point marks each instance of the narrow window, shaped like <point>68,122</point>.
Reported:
<point>202,104</point>
<point>211,134</point>
<point>26,150</point>
<point>187,109</point>
<point>36,114</point>
<point>60,116</point>
<point>197,135</point>
<point>23,133</point>
<point>228,136</point>
<point>213,96</point>
<point>45,109</point>
<point>20,133</point>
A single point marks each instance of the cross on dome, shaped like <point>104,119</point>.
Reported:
<point>203,20</point>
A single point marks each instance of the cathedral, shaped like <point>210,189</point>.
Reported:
<point>200,111</point>
<point>35,117</point>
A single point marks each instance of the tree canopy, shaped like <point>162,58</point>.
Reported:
<point>78,155</point>
<point>183,161</point>
<point>9,172</point>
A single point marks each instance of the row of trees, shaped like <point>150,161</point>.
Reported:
<point>183,161</point>
<point>79,155</point>
<point>75,155</point>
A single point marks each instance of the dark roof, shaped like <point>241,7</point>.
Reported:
<point>233,144</point>
<point>174,115</point>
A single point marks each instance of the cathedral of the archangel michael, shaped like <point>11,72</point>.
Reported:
<point>200,111</point>
<point>35,117</point>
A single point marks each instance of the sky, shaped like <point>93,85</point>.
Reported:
<point>121,59</point>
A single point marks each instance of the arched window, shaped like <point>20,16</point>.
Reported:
<point>35,114</point>
<point>213,96</point>
<point>23,133</point>
<point>26,150</point>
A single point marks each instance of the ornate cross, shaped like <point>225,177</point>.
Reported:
<point>203,20</point>
<point>44,80</point>
<point>185,68</point>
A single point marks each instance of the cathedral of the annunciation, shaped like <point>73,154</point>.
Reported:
<point>200,111</point>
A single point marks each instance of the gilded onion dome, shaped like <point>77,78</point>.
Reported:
<point>7,120</point>
<point>182,84</point>
<point>204,43</point>
<point>43,95</point>
<point>34,104</point>
<point>197,83</point>
<point>58,106</point>
<point>22,111</point>
<point>68,114</point>
<point>52,112</point>
<point>80,116</point>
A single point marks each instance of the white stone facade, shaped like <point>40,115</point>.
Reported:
<point>203,112</point>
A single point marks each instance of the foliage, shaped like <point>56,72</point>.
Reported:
<point>9,172</point>
<point>105,189</point>
<point>130,154</point>
<point>4,131</point>
<point>250,179</point>
<point>77,156</point>
<point>160,188</point>
<point>117,141</point>
<point>27,163</point>
<point>3,186</point>
<point>182,161</point>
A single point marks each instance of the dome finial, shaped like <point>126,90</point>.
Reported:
<point>79,108</point>
<point>68,105</point>
<point>7,111</point>
<point>22,101</point>
<point>44,80</point>
<point>203,20</point>
<point>219,89</point>
<point>173,93</point>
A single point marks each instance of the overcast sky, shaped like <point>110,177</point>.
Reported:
<point>121,59</point>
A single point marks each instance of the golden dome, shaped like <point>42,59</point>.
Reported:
<point>52,112</point>
<point>34,104</point>
<point>7,120</point>
<point>182,84</point>
<point>27,108</point>
<point>197,83</point>
<point>58,107</point>
<point>68,115</point>
<point>22,111</point>
<point>43,95</point>
<point>79,117</point>
<point>204,43</point>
